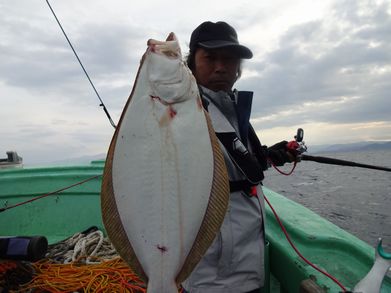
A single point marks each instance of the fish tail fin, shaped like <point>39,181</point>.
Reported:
<point>163,287</point>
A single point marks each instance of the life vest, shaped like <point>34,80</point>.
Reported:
<point>246,151</point>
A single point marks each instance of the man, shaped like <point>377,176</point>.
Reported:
<point>235,261</point>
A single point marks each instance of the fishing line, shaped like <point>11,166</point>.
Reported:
<point>81,64</point>
<point>282,172</point>
<point>288,237</point>
<point>47,194</point>
<point>298,252</point>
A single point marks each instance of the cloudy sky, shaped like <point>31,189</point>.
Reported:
<point>324,66</point>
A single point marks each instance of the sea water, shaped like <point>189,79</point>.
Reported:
<point>356,199</point>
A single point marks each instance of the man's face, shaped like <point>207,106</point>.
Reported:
<point>216,69</point>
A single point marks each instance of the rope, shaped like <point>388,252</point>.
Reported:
<point>90,248</point>
<point>47,194</point>
<point>81,64</point>
<point>87,263</point>
<point>109,276</point>
<point>14,273</point>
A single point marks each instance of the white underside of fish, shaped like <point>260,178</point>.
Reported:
<point>162,175</point>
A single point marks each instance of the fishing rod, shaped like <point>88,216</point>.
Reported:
<point>49,193</point>
<point>332,161</point>
<point>299,147</point>
<point>81,64</point>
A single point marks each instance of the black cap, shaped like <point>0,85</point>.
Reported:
<point>210,35</point>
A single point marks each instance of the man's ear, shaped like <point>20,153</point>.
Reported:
<point>238,73</point>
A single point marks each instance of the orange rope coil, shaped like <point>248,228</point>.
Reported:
<point>109,276</point>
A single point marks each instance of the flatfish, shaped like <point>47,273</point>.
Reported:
<point>165,186</point>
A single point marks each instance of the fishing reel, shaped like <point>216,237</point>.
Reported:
<point>297,146</point>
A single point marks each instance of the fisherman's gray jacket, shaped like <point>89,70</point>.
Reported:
<point>235,261</point>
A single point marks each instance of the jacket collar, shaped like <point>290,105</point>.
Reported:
<point>240,101</point>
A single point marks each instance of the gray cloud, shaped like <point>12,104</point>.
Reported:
<point>333,69</point>
<point>318,61</point>
<point>38,59</point>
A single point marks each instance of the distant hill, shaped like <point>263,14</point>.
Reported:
<point>335,148</point>
<point>351,147</point>
<point>79,160</point>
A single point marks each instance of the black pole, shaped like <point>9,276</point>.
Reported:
<point>82,67</point>
<point>332,161</point>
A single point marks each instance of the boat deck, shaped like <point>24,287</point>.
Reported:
<point>63,214</point>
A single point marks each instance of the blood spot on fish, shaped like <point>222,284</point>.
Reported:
<point>162,248</point>
<point>171,112</point>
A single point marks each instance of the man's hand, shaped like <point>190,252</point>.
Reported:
<point>281,153</point>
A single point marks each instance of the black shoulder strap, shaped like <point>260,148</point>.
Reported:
<point>243,110</point>
<point>243,159</point>
<point>250,165</point>
<point>258,149</point>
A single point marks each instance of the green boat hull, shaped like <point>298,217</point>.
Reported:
<point>61,215</point>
